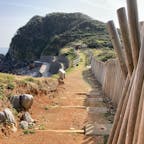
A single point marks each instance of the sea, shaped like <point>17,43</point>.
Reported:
<point>3,50</point>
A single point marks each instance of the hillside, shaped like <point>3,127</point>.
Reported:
<point>47,35</point>
<point>15,85</point>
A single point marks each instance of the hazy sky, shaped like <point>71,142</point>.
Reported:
<point>16,13</point>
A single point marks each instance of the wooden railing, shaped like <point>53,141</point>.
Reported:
<point>76,61</point>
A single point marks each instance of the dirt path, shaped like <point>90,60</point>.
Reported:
<point>64,120</point>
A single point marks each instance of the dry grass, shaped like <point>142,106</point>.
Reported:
<point>15,85</point>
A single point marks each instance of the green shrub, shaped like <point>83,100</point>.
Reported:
<point>46,108</point>
<point>1,91</point>
<point>105,55</point>
<point>30,79</point>
<point>29,131</point>
<point>10,86</point>
<point>42,127</point>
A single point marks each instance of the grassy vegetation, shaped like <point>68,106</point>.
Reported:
<point>29,131</point>
<point>42,127</point>
<point>6,78</point>
<point>49,107</point>
<point>15,85</point>
<point>1,92</point>
<point>69,53</point>
<point>81,63</point>
<point>10,86</point>
<point>6,83</point>
<point>104,54</point>
<point>29,79</point>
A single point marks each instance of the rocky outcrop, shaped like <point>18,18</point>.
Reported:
<point>9,117</point>
<point>8,120</point>
<point>6,116</point>
<point>26,121</point>
<point>43,36</point>
<point>1,57</point>
<point>22,102</point>
<point>24,125</point>
<point>27,117</point>
<point>2,117</point>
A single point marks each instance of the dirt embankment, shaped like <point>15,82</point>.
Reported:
<point>44,89</point>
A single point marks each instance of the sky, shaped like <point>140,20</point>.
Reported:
<point>16,13</point>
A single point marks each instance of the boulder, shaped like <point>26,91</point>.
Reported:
<point>15,101</point>
<point>22,102</point>
<point>1,57</point>
<point>2,117</point>
<point>24,125</point>
<point>9,117</point>
<point>27,117</point>
<point>26,101</point>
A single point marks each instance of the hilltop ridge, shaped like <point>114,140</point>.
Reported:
<point>48,35</point>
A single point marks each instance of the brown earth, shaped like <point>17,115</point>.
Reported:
<point>63,111</point>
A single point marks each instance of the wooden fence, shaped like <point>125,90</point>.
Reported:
<point>128,126</point>
<point>110,77</point>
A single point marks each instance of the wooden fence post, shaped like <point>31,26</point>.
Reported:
<point>139,117</point>
<point>117,46</point>
<point>130,107</point>
<point>134,29</point>
<point>138,81</point>
<point>125,37</point>
<point>139,139</point>
<point>141,24</point>
<point>119,130</point>
<point>118,112</point>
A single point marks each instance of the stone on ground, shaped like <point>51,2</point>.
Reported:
<point>2,117</point>
<point>26,101</point>
<point>27,117</point>
<point>22,102</point>
<point>97,110</point>
<point>98,129</point>
<point>9,116</point>
<point>24,125</point>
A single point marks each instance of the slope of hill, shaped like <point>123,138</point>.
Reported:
<point>47,35</point>
<point>15,85</point>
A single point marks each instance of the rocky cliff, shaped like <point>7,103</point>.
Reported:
<point>47,35</point>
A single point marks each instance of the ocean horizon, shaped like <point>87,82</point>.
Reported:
<point>3,50</point>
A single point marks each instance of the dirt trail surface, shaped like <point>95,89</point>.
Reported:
<point>62,119</point>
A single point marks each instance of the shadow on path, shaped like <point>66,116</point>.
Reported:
<point>99,102</point>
